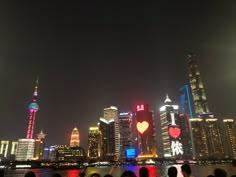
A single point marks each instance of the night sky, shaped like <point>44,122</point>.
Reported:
<point>92,54</point>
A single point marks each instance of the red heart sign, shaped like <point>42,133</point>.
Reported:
<point>174,132</point>
<point>142,127</point>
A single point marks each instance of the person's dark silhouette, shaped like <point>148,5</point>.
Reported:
<point>186,170</point>
<point>108,175</point>
<point>1,172</point>
<point>56,175</point>
<point>30,174</point>
<point>218,172</point>
<point>143,172</point>
<point>128,174</point>
<point>172,172</point>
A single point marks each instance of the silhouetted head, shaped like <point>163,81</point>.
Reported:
<point>56,175</point>
<point>95,175</point>
<point>108,175</point>
<point>172,172</point>
<point>218,172</point>
<point>143,172</point>
<point>128,174</point>
<point>186,170</point>
<point>210,176</point>
<point>30,174</point>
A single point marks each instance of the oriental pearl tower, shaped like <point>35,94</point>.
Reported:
<point>33,108</point>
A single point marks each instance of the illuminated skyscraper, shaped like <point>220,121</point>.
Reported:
<point>230,137</point>
<point>74,140</point>
<point>200,148</point>
<point>25,150</point>
<point>170,130</point>
<point>198,92</point>
<point>94,143</point>
<point>214,140</point>
<point>39,145</point>
<point>109,128</point>
<point>126,138</point>
<point>146,132</point>
<point>33,108</point>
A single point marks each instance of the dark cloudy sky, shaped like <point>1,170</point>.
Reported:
<point>93,54</point>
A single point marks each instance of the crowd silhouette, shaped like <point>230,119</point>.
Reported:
<point>143,172</point>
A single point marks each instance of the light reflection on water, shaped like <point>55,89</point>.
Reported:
<point>154,171</point>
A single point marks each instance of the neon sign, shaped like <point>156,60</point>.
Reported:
<point>142,127</point>
<point>176,147</point>
<point>174,132</point>
<point>140,107</point>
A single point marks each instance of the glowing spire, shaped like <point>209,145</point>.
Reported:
<point>36,89</point>
<point>33,108</point>
<point>167,100</point>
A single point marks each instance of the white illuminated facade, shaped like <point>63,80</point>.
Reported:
<point>169,130</point>
<point>25,150</point>
<point>14,146</point>
<point>4,148</point>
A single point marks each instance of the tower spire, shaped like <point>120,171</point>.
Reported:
<point>33,108</point>
<point>167,100</point>
<point>36,89</point>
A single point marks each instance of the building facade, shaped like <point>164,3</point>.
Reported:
<point>230,138</point>
<point>109,127</point>
<point>25,150</point>
<point>4,149</point>
<point>146,132</point>
<point>170,130</point>
<point>126,132</point>
<point>74,140</point>
<point>214,140</point>
<point>65,153</point>
<point>185,137</point>
<point>39,146</point>
<point>199,141</point>
<point>94,143</point>
<point>198,92</point>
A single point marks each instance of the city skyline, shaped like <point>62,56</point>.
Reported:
<point>101,55</point>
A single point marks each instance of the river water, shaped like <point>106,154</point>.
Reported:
<point>154,171</point>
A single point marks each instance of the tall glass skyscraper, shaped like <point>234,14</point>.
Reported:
<point>109,128</point>
<point>198,92</point>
